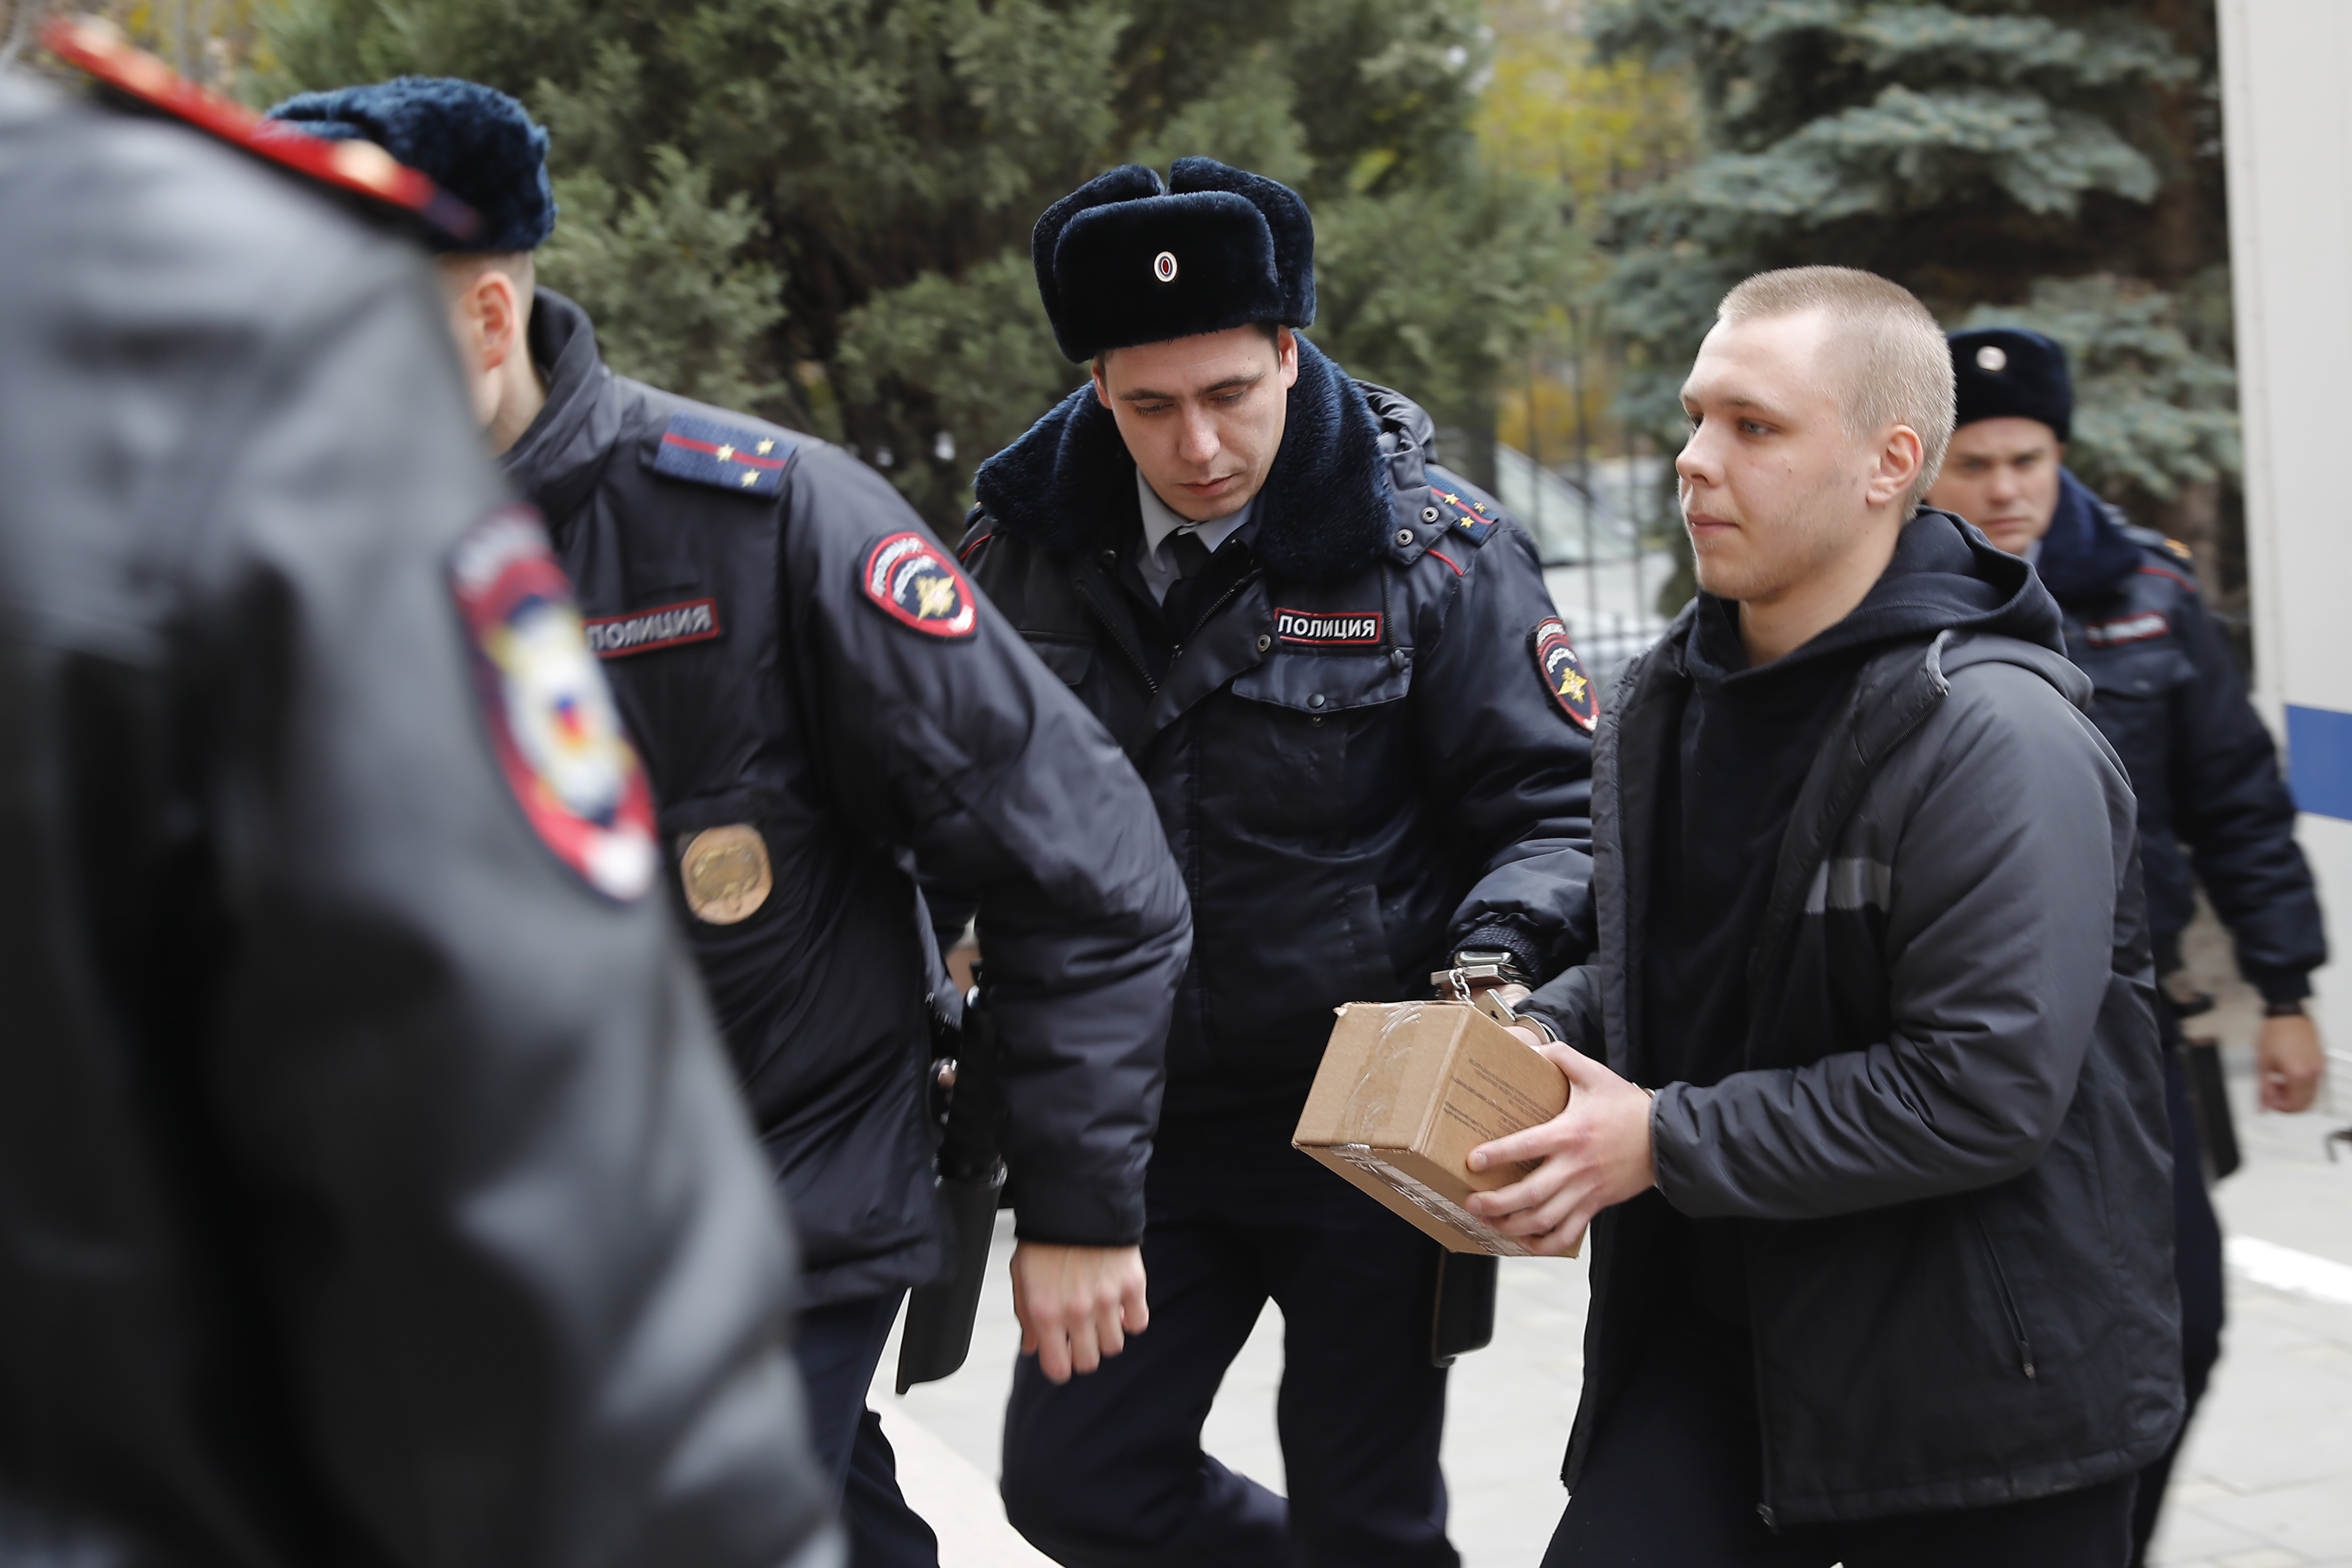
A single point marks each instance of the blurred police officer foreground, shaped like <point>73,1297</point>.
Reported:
<point>823,703</point>
<point>2167,693</point>
<point>374,1188</point>
<point>1337,668</point>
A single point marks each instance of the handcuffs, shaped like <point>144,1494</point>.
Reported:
<point>1478,977</point>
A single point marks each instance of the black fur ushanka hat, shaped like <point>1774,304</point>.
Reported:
<point>1121,261</point>
<point>2008,373</point>
<point>473,141</point>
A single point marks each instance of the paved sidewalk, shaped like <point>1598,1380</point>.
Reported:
<point>2266,1481</point>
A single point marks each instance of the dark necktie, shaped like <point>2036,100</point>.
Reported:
<point>1179,606</point>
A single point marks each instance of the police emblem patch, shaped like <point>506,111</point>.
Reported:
<point>551,720</point>
<point>917,586</point>
<point>725,872</point>
<point>1563,673</point>
<point>643,631</point>
<point>1328,627</point>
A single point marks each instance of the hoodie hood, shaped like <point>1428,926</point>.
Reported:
<point>1944,576</point>
<point>1322,515</point>
<point>2086,552</point>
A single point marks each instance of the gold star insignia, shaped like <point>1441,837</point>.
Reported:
<point>750,478</point>
<point>725,453</point>
<point>766,447</point>
<point>1571,686</point>
<point>938,595</point>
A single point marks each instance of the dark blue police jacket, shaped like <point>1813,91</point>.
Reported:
<point>818,692</point>
<point>2169,699</point>
<point>1371,747</point>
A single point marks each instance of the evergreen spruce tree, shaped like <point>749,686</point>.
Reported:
<point>820,209</point>
<point>2052,164</point>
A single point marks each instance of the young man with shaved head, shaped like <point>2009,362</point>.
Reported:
<point>1869,1122</point>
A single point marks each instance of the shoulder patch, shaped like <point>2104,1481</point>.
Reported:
<point>724,457</point>
<point>909,580</point>
<point>1563,673</point>
<point>2143,627</point>
<point>1462,515</point>
<point>553,724</point>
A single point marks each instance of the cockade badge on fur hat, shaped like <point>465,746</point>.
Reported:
<point>2008,373</point>
<point>1122,260</point>
<point>471,139</point>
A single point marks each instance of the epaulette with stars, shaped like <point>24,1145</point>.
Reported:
<point>1463,515</point>
<point>724,456</point>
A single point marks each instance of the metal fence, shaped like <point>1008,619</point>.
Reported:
<point>1603,575</point>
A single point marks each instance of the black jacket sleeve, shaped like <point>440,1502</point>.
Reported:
<point>1513,772</point>
<point>523,1259</point>
<point>2233,811</point>
<point>971,753</point>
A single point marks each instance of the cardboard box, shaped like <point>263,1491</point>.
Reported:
<point>1406,1090</point>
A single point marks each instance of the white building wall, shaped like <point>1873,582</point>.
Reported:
<point>2286,73</point>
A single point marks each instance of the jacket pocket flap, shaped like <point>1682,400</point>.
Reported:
<point>1068,659</point>
<point>1326,683</point>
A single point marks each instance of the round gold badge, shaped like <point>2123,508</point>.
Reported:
<point>725,871</point>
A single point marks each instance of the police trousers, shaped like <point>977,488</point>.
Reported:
<point>1106,1470</point>
<point>837,1348</point>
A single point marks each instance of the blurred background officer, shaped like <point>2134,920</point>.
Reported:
<point>1338,669</point>
<point>375,1189</point>
<point>2169,699</point>
<point>818,691</point>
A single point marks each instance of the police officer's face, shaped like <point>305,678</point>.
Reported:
<point>2002,476</point>
<point>1777,489</point>
<point>1202,417</point>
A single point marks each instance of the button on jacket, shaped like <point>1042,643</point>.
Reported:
<point>1355,751</point>
<point>375,1188</point>
<point>2168,697</point>
<point>762,621</point>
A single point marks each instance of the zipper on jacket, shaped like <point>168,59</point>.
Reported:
<point>1224,599</point>
<point>2008,1298</point>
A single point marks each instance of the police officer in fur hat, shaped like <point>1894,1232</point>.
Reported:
<point>1337,667</point>
<point>823,703</point>
<point>2212,807</point>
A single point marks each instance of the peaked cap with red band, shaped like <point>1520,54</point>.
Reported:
<point>97,46</point>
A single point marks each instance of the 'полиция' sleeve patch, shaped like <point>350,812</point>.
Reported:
<point>748,462</point>
<point>553,725</point>
<point>909,579</point>
<point>1563,673</point>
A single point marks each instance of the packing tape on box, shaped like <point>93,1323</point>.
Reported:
<point>1374,1095</point>
<point>1432,1202</point>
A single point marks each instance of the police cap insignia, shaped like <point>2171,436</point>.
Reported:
<point>551,720</point>
<point>1563,674</point>
<point>725,873</point>
<point>97,46</point>
<point>728,456</point>
<point>917,586</point>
